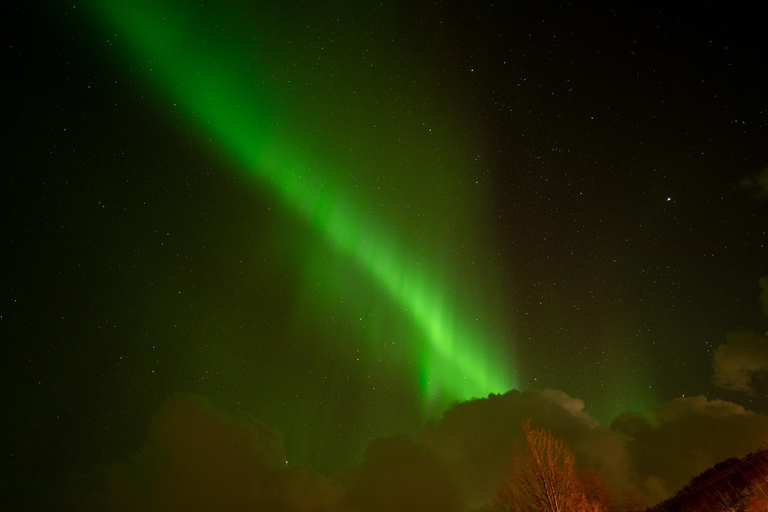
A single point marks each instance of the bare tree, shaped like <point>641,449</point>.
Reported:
<point>590,494</point>
<point>541,475</point>
<point>542,478</point>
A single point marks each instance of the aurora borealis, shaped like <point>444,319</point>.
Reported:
<point>343,219</point>
<point>455,364</point>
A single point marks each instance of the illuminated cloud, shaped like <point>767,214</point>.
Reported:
<point>736,362</point>
<point>650,457</point>
<point>746,354</point>
<point>477,439</point>
<point>684,437</point>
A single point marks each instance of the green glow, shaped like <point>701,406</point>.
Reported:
<point>636,393</point>
<point>213,87</point>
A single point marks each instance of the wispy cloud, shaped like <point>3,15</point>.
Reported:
<point>757,183</point>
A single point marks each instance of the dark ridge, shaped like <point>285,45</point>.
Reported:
<point>739,485</point>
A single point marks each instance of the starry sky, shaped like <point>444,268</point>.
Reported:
<point>341,217</point>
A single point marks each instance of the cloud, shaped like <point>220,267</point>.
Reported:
<point>758,183</point>
<point>198,457</point>
<point>652,456</point>
<point>398,473</point>
<point>477,438</point>
<point>685,407</point>
<point>685,436</point>
<point>736,362</point>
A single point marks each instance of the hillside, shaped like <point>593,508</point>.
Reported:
<point>738,485</point>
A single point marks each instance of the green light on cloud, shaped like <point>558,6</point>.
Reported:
<point>213,83</point>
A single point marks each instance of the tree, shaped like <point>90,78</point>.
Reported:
<point>542,478</point>
<point>590,494</point>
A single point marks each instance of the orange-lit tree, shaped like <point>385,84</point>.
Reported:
<point>542,478</point>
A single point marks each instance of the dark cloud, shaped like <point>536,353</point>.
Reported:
<point>198,457</point>
<point>758,183</point>
<point>685,436</point>
<point>401,474</point>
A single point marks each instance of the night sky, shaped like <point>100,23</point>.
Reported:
<point>339,218</point>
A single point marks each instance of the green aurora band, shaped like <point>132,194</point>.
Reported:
<point>207,82</point>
